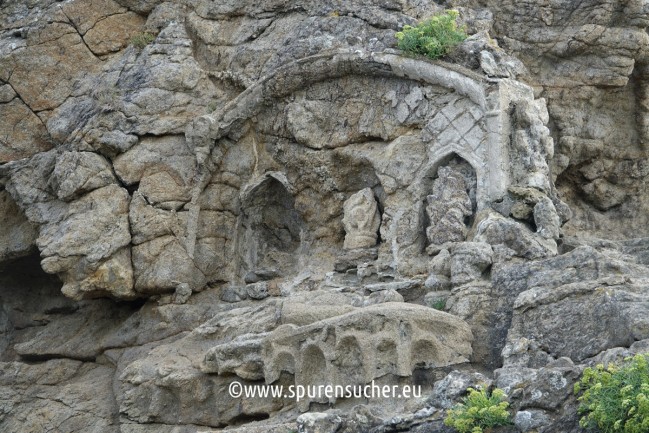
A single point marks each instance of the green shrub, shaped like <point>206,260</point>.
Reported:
<point>434,37</point>
<point>616,398</point>
<point>479,411</point>
<point>141,40</point>
<point>440,304</point>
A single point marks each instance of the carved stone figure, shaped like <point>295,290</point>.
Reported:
<point>361,220</point>
<point>448,207</point>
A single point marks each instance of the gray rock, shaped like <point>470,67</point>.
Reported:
<point>547,388</point>
<point>436,282</point>
<point>250,278</point>
<point>182,293</point>
<point>350,259</point>
<point>234,293</point>
<point>531,419</point>
<point>604,194</point>
<point>343,357</point>
<point>441,263</point>
<point>497,230</point>
<point>68,393</point>
<point>469,260</point>
<point>546,219</point>
<point>437,299</point>
<point>448,391</point>
<point>17,235</point>
<point>393,285</point>
<point>241,357</point>
<point>257,290</point>
<point>77,173</point>
<point>228,146</point>
<point>382,296</point>
<point>577,304</point>
<point>315,422</point>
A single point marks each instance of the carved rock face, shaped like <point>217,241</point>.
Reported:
<point>448,207</point>
<point>361,220</point>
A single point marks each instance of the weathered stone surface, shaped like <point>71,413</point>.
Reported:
<point>22,132</point>
<point>469,260</point>
<point>258,290</point>
<point>448,390</point>
<point>437,299</point>
<point>615,309</point>
<point>304,310</point>
<point>208,172</point>
<point>65,394</point>
<point>529,420</point>
<point>155,380</point>
<point>367,343</point>
<point>113,32</point>
<point>148,222</point>
<point>241,357</point>
<point>546,219</point>
<point>158,182</point>
<point>380,297</point>
<point>83,335</point>
<point>93,229</point>
<point>318,423</point>
<point>514,238</point>
<point>350,259</point>
<point>161,264</point>
<point>546,388</point>
<point>361,220</point>
<point>76,173</point>
<point>17,235</point>
<point>583,291</point>
<point>450,205</point>
<point>234,294</point>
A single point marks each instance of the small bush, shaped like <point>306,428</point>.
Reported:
<point>434,37</point>
<point>479,411</point>
<point>141,40</point>
<point>440,304</point>
<point>616,398</point>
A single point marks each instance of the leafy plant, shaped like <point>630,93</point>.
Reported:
<point>479,411</point>
<point>141,40</point>
<point>615,398</point>
<point>440,304</point>
<point>434,37</point>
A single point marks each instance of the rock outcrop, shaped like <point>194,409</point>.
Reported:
<point>196,194</point>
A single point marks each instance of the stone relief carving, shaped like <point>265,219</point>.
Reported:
<point>361,220</point>
<point>450,205</point>
<point>347,349</point>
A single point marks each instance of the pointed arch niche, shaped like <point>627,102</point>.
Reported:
<point>270,228</point>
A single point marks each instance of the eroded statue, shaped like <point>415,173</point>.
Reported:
<point>448,207</point>
<point>361,220</point>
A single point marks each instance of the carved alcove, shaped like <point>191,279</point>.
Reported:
<point>270,229</point>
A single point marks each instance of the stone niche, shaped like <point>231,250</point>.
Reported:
<point>270,228</point>
<point>431,143</point>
